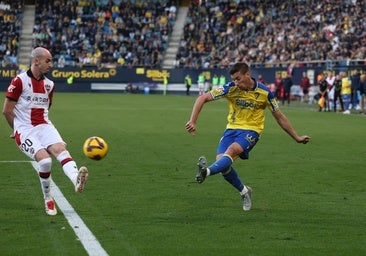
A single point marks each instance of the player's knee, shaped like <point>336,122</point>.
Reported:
<point>57,148</point>
<point>44,169</point>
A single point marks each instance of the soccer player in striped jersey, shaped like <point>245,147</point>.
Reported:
<point>28,100</point>
<point>248,100</point>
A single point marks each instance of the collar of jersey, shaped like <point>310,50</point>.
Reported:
<point>30,74</point>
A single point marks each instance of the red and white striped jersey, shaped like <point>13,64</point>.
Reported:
<point>33,97</point>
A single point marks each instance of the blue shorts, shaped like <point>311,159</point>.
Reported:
<point>245,138</point>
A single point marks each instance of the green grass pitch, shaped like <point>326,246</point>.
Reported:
<point>142,199</point>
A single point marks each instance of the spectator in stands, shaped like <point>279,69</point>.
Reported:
<point>61,62</point>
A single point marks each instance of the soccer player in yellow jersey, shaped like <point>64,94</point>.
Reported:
<point>247,99</point>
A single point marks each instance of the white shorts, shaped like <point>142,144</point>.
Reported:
<point>201,86</point>
<point>30,141</point>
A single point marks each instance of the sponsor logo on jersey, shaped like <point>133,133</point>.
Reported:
<point>245,104</point>
<point>38,100</point>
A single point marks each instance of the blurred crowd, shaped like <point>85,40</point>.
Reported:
<point>216,34</point>
<point>103,33</point>
<point>11,14</point>
<point>219,33</point>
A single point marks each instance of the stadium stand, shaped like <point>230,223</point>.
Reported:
<point>11,14</point>
<point>219,33</point>
<point>105,33</point>
<point>216,33</point>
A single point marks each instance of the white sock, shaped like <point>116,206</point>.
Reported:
<point>45,168</point>
<point>68,165</point>
<point>46,187</point>
<point>244,191</point>
<point>71,171</point>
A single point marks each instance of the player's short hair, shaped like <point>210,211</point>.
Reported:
<point>241,67</point>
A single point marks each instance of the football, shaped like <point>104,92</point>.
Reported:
<point>95,148</point>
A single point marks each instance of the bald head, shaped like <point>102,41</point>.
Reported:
<point>39,52</point>
<point>41,62</point>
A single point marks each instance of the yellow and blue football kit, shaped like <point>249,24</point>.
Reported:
<point>246,108</point>
<point>245,121</point>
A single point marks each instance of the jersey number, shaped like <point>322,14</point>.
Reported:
<point>26,145</point>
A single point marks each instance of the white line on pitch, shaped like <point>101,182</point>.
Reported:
<point>14,161</point>
<point>86,237</point>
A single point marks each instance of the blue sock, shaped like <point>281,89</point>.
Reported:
<point>233,178</point>
<point>220,165</point>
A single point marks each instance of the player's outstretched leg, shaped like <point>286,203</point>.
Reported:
<point>246,196</point>
<point>81,179</point>
<point>202,169</point>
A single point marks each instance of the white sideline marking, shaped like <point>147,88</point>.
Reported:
<point>15,161</point>
<point>85,236</point>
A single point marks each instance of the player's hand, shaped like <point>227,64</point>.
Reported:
<point>190,127</point>
<point>303,139</point>
<point>12,136</point>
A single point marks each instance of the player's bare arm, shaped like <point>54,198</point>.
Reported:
<point>287,127</point>
<point>197,107</point>
<point>8,111</point>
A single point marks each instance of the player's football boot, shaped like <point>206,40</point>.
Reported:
<point>81,179</point>
<point>202,169</point>
<point>247,202</point>
<point>50,207</point>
